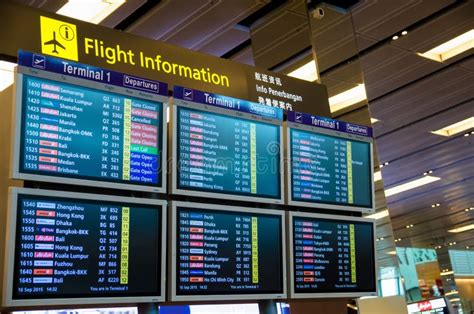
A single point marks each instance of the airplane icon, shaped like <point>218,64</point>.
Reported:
<point>55,43</point>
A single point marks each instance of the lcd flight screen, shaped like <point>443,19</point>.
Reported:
<point>332,256</point>
<point>227,154</point>
<point>328,170</point>
<point>82,133</point>
<point>227,253</point>
<point>73,246</point>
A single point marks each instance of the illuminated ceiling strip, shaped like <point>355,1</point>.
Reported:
<point>373,120</point>
<point>456,128</point>
<point>410,185</point>
<point>348,98</point>
<point>307,72</point>
<point>379,215</point>
<point>392,253</point>
<point>462,229</point>
<point>7,74</point>
<point>446,273</point>
<point>93,11</point>
<point>451,48</point>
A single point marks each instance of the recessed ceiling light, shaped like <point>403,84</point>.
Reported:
<point>377,176</point>
<point>395,37</point>
<point>456,128</point>
<point>451,48</point>
<point>307,72</point>
<point>462,229</point>
<point>392,253</point>
<point>7,76</point>
<point>466,210</point>
<point>467,134</point>
<point>347,98</point>
<point>93,11</point>
<point>373,120</point>
<point>404,33</point>
<point>427,172</point>
<point>379,215</point>
<point>410,185</point>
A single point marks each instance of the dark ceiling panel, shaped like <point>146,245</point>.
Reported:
<point>425,97</point>
<point>417,136</point>
<point>382,19</point>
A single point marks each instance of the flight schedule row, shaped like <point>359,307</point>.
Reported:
<point>76,131</point>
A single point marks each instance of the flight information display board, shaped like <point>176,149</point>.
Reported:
<point>331,256</point>
<point>82,132</point>
<point>330,164</point>
<point>70,248</point>
<point>225,253</point>
<point>225,146</point>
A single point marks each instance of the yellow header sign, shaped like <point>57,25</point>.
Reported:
<point>59,36</point>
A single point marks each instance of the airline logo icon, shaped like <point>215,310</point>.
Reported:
<point>42,271</point>
<point>424,306</point>
<point>45,213</point>
<point>46,230</point>
<point>43,280</point>
<point>42,263</point>
<point>44,238</point>
<point>44,254</point>
<point>58,38</point>
<point>41,246</point>
<point>42,221</point>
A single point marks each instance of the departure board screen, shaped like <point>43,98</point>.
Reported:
<point>77,248</point>
<point>225,154</point>
<point>330,170</point>
<point>333,256</point>
<point>228,252</point>
<point>83,133</point>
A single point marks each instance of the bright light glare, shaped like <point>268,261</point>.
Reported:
<point>462,229</point>
<point>7,74</point>
<point>348,98</point>
<point>456,128</point>
<point>451,48</point>
<point>373,120</point>
<point>307,72</point>
<point>377,176</point>
<point>93,11</point>
<point>410,185</point>
<point>379,215</point>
